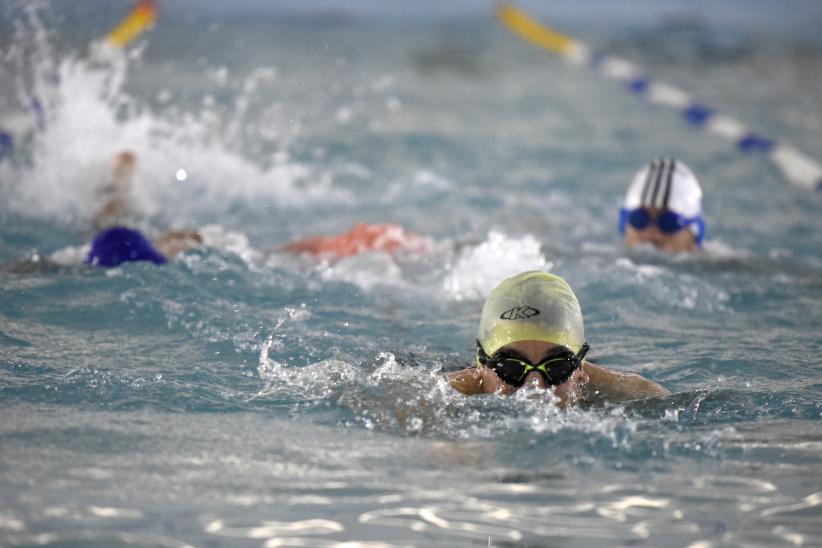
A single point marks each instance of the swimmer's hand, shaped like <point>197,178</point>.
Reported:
<point>177,241</point>
<point>468,381</point>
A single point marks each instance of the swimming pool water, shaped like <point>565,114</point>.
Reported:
<point>240,396</point>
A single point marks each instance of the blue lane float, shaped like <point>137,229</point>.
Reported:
<point>6,144</point>
<point>755,143</point>
<point>697,114</point>
<point>639,85</point>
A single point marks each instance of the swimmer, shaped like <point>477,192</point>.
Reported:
<point>118,244</point>
<point>115,243</point>
<point>663,207</point>
<point>364,237</point>
<point>531,335</point>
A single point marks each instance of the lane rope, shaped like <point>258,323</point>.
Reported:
<point>794,164</point>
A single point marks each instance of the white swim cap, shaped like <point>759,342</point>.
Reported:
<point>666,183</point>
<point>533,306</point>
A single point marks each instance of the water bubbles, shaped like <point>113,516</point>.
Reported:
<point>671,415</point>
<point>219,76</point>
<point>394,104</point>
<point>344,115</point>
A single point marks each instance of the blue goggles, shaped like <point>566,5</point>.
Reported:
<point>667,222</point>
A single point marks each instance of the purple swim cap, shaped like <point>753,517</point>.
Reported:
<point>120,244</point>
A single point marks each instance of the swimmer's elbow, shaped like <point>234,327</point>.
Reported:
<point>663,391</point>
<point>645,388</point>
<point>623,386</point>
<point>655,389</point>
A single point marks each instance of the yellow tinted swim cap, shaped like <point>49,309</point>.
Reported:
<point>532,306</point>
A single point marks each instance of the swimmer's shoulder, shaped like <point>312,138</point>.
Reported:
<point>613,386</point>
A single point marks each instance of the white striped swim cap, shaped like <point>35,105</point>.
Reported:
<point>666,183</point>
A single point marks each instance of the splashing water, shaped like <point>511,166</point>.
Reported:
<point>85,118</point>
<point>244,395</point>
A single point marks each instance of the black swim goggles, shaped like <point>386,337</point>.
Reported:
<point>556,368</point>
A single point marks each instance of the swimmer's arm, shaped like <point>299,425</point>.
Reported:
<point>116,192</point>
<point>620,386</point>
<point>468,381</point>
<point>34,264</point>
<point>112,212</point>
<point>174,242</point>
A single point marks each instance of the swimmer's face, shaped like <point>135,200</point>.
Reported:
<point>534,352</point>
<point>677,242</point>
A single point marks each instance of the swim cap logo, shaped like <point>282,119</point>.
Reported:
<point>519,313</point>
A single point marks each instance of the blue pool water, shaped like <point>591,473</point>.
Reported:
<point>240,396</point>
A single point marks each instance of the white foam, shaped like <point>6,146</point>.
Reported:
<point>717,249</point>
<point>670,287</point>
<point>430,179</point>
<point>11,523</point>
<point>70,255</point>
<point>233,241</point>
<point>89,120</point>
<point>110,512</point>
<point>366,270</point>
<point>479,269</point>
